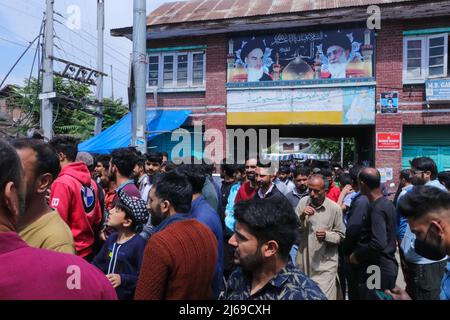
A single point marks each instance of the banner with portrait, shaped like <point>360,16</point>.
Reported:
<point>336,54</point>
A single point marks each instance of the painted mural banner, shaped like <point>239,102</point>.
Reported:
<point>333,106</point>
<point>335,54</point>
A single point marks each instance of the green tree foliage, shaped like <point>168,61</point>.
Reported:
<point>69,118</point>
<point>332,146</point>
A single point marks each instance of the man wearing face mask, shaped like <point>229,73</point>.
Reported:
<point>424,272</point>
<point>427,210</point>
<point>321,230</point>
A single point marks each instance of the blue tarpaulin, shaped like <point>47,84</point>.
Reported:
<point>119,134</point>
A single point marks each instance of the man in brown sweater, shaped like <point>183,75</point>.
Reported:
<point>180,257</point>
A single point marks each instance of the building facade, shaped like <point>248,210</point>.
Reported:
<point>374,70</point>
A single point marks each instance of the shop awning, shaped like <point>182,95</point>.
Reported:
<point>298,156</point>
<point>119,134</point>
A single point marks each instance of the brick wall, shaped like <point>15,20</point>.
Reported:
<point>215,93</point>
<point>413,108</point>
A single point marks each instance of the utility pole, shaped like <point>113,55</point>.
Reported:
<point>47,82</point>
<point>342,152</point>
<point>139,123</point>
<point>112,84</point>
<point>100,38</point>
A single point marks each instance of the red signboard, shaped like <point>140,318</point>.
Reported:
<point>389,141</point>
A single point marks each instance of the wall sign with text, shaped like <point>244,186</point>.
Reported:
<point>389,141</point>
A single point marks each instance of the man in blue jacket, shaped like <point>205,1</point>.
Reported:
<point>203,212</point>
<point>423,276</point>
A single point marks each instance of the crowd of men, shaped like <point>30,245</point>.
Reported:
<point>136,226</point>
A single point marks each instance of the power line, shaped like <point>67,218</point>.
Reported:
<point>16,43</point>
<point>89,55</point>
<point>93,44</point>
<point>18,60</point>
<point>13,33</point>
<point>21,11</point>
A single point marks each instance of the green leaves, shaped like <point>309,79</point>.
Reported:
<point>66,120</point>
<point>332,146</point>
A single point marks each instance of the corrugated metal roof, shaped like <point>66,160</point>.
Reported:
<point>207,10</point>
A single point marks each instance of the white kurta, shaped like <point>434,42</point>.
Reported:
<point>319,259</point>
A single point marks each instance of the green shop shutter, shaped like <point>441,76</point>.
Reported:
<point>426,136</point>
<point>427,141</point>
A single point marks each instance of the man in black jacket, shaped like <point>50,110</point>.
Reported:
<point>358,210</point>
<point>377,244</point>
<point>267,189</point>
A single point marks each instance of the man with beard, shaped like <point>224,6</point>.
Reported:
<point>29,273</point>
<point>253,56</point>
<point>265,232</point>
<point>108,186</point>
<point>423,273</point>
<point>376,245</point>
<point>267,189</point>
<point>181,256</point>
<point>321,231</point>
<point>337,50</point>
<point>40,226</point>
<point>428,212</point>
<point>300,191</point>
<point>248,190</point>
<point>75,195</point>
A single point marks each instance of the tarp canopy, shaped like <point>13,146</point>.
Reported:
<point>119,134</point>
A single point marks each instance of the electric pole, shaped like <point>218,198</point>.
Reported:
<point>139,123</point>
<point>100,55</point>
<point>47,82</point>
<point>112,84</point>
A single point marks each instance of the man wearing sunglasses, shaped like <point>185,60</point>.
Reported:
<point>424,271</point>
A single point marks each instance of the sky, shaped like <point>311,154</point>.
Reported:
<point>20,22</point>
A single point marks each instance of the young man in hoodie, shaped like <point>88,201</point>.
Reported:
<point>75,196</point>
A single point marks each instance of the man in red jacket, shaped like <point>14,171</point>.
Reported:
<point>248,190</point>
<point>75,196</point>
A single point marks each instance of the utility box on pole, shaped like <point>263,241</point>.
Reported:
<point>139,122</point>
<point>47,83</point>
